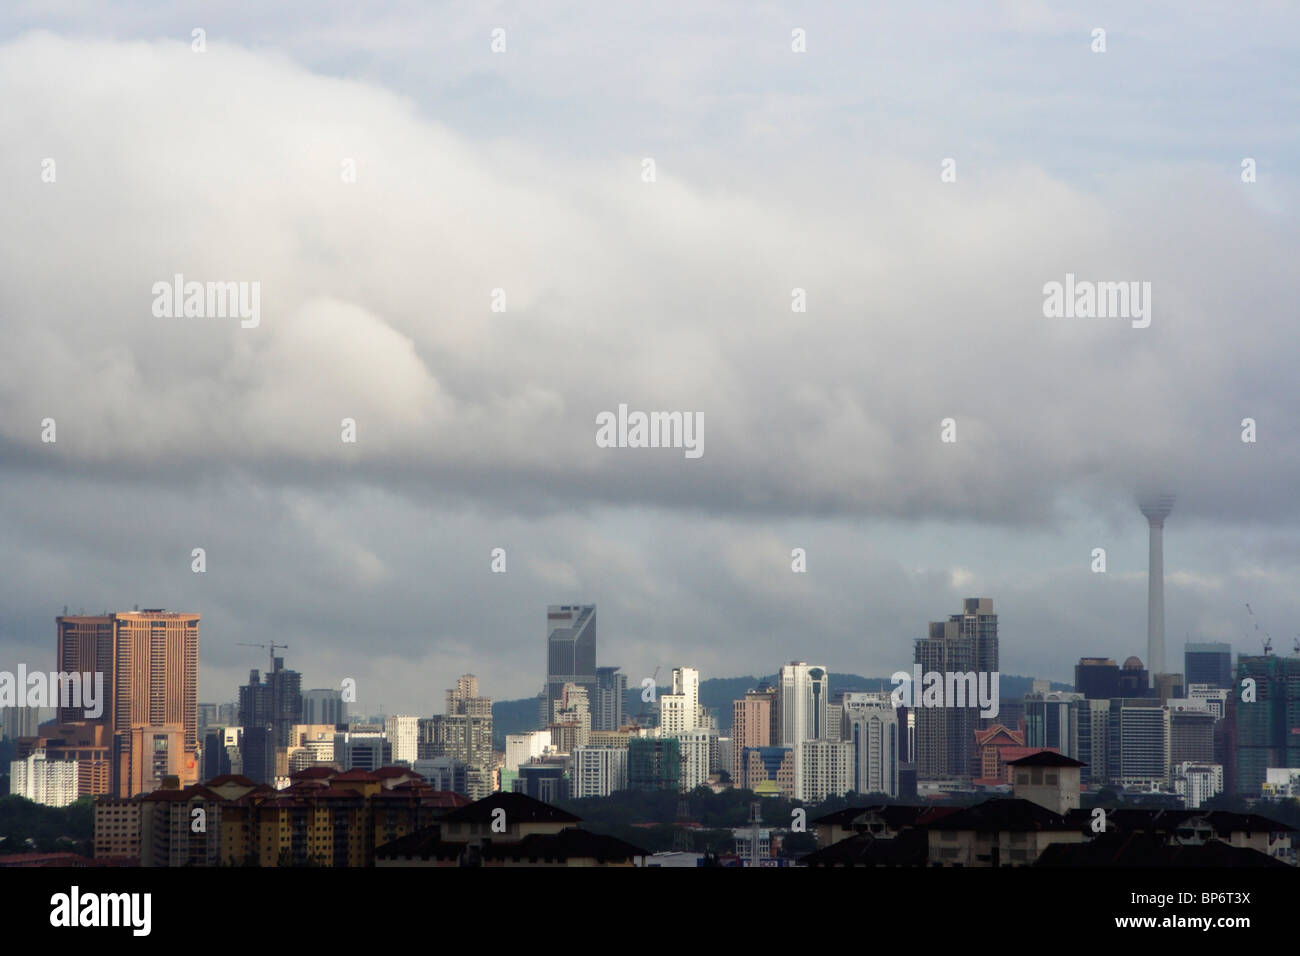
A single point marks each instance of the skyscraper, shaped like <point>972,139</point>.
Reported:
<point>751,726</point>
<point>324,705</point>
<point>1208,663</point>
<point>803,696</point>
<point>149,660</point>
<point>1268,726</point>
<point>611,692</point>
<point>679,711</point>
<point>945,736</point>
<point>1156,508</point>
<point>570,651</point>
<point>268,709</point>
<point>870,727</point>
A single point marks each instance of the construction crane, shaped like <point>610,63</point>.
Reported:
<point>270,652</point>
<point>1268,641</point>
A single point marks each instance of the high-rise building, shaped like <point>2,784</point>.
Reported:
<point>654,763</point>
<point>769,771</point>
<point>695,747</point>
<point>149,660</point>
<point>1052,721</point>
<point>403,732</point>
<point>268,710</point>
<point>1157,509</point>
<point>1268,726</point>
<point>1191,733</point>
<point>1094,739</point>
<point>324,705</point>
<point>803,693</point>
<point>570,650</point>
<point>679,711</point>
<point>827,769</point>
<point>751,726</point>
<point>611,692</point>
<point>870,728</point>
<point>945,736</point>
<point>1138,742</point>
<point>1208,663</point>
<point>599,771</point>
<point>52,783</point>
<point>18,722</point>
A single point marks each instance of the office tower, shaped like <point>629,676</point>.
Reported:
<point>945,736</point>
<point>403,732</point>
<point>611,692</point>
<point>1156,508</point>
<point>570,650</point>
<point>1052,721</point>
<point>216,760</point>
<point>1094,739</point>
<point>268,710</point>
<point>751,726</point>
<point>1191,732</point>
<point>571,725</point>
<point>228,714</point>
<point>1166,687</point>
<point>803,693</point>
<point>521,748</point>
<point>545,781</point>
<point>679,711</point>
<point>599,771</point>
<point>359,750</point>
<point>1097,678</point>
<point>1138,751</point>
<point>324,705</point>
<point>654,763</point>
<point>1268,728</point>
<point>695,747</point>
<point>1208,663</point>
<point>827,769</point>
<point>870,728</point>
<point>275,701</point>
<point>207,717</point>
<point>149,660</point>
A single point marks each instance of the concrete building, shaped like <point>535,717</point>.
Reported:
<point>945,736</point>
<point>1138,739</point>
<point>827,769</point>
<point>599,771</point>
<point>870,727</point>
<point>696,747</point>
<point>324,705</point>
<point>570,651</point>
<point>403,732</point>
<point>1208,663</point>
<point>751,726</point>
<point>803,695</point>
<point>1197,782</point>
<point>51,783</point>
<point>679,711</point>
<point>149,660</point>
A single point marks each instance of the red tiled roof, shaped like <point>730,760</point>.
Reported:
<point>363,776</point>
<point>230,778</point>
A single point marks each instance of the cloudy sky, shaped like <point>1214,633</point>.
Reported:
<point>522,171</point>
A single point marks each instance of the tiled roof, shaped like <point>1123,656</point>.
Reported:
<point>909,848</point>
<point>1003,814</point>
<point>1145,848</point>
<point>569,843</point>
<point>230,778</point>
<point>519,808</point>
<point>1046,758</point>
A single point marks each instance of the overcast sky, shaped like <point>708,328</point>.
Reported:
<point>523,171</point>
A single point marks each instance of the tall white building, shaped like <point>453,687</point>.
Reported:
<point>1197,782</point>
<point>521,748</point>
<point>599,771</point>
<point>870,727</point>
<point>827,770</point>
<point>696,746</point>
<point>680,711</point>
<point>802,701</point>
<point>52,783</point>
<point>403,732</point>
